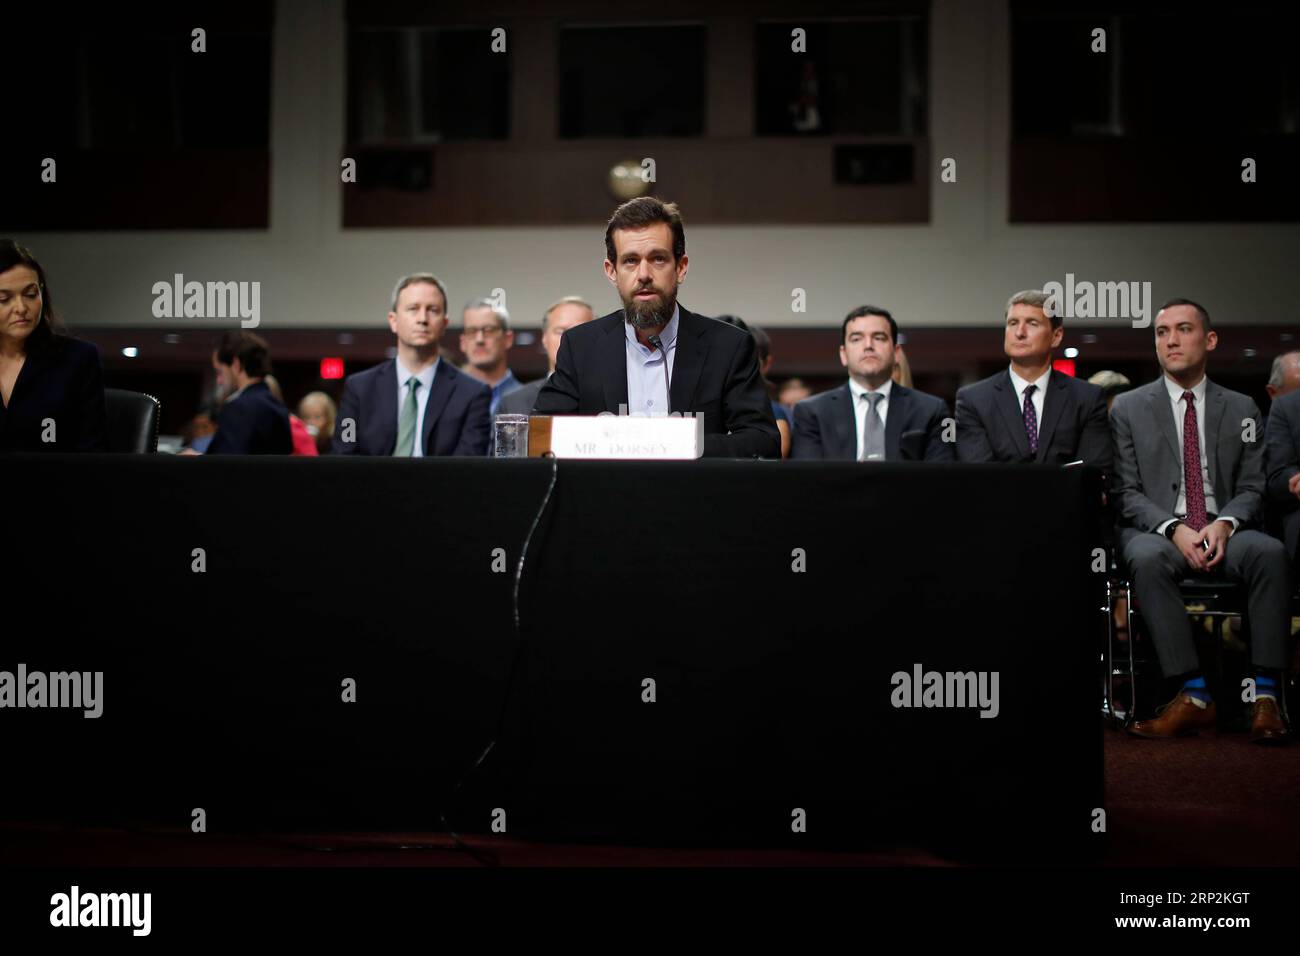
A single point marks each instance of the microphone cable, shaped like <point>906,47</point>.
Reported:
<point>486,858</point>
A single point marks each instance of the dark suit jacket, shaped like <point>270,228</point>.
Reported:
<point>991,424</point>
<point>520,401</point>
<point>455,418</point>
<point>61,380</point>
<point>825,426</point>
<point>255,423</point>
<point>1149,456</point>
<point>715,374</point>
<point>1282,460</point>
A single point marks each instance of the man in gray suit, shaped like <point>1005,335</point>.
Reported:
<point>1282,456</point>
<point>1189,484</point>
<point>559,318</point>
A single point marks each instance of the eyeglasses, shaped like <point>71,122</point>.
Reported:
<point>487,331</point>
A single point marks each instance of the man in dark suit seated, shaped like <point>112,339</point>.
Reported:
<point>617,362</point>
<point>872,418</point>
<point>558,319</point>
<point>415,405</point>
<point>1282,464</point>
<point>252,420</point>
<point>1189,483</point>
<point>1029,412</point>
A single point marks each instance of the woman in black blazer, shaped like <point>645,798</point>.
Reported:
<point>51,386</point>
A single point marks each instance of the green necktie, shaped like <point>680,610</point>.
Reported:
<point>406,421</point>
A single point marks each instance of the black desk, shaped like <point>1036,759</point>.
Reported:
<point>222,689</point>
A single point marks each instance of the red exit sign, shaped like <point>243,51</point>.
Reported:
<point>331,368</point>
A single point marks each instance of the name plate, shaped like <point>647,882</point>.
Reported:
<point>626,436</point>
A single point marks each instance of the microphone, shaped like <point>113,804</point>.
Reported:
<point>668,385</point>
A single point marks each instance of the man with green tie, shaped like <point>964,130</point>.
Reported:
<point>414,405</point>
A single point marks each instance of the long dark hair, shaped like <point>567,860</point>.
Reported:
<point>48,325</point>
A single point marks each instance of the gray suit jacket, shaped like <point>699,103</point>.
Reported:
<point>1149,455</point>
<point>521,400</point>
<point>1282,454</point>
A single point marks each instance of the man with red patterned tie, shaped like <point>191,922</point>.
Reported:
<point>1189,483</point>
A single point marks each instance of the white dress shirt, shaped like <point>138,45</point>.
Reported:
<point>861,407</point>
<point>647,393</point>
<point>1037,399</point>
<point>421,397</point>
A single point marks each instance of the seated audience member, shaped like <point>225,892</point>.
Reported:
<point>1029,412</point>
<point>197,434</point>
<point>1112,384</point>
<point>252,420</point>
<point>486,339</point>
<point>318,411</point>
<point>51,385</point>
<point>902,368</point>
<point>559,318</point>
<point>871,417</point>
<point>793,391</point>
<point>1282,464</point>
<point>303,442</point>
<point>414,405</point>
<point>1188,486</point>
<point>763,345</point>
<point>1284,377</point>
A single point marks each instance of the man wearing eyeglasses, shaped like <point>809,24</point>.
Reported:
<point>485,340</point>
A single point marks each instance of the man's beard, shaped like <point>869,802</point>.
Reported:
<point>651,314</point>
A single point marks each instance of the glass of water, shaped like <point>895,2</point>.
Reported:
<point>510,436</point>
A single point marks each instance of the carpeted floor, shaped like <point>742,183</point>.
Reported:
<point>1214,800</point>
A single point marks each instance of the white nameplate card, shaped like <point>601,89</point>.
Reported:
<point>627,436</point>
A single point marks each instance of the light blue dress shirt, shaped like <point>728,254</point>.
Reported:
<point>500,390</point>
<point>421,398</point>
<point>647,393</point>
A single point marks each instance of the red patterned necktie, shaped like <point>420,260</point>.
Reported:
<point>1195,486</point>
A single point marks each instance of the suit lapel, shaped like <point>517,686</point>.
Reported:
<point>1012,413</point>
<point>444,383</point>
<point>688,361</point>
<point>1162,413</point>
<point>35,362</point>
<point>843,423</point>
<point>1054,402</point>
<point>899,397</point>
<point>613,365</point>
<point>385,406</point>
<point>1215,405</point>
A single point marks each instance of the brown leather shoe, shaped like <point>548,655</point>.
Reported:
<point>1266,726</point>
<point>1181,717</point>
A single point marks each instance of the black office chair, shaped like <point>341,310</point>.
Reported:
<point>132,421</point>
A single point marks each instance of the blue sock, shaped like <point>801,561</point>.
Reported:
<point>1196,688</point>
<point>1265,687</point>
